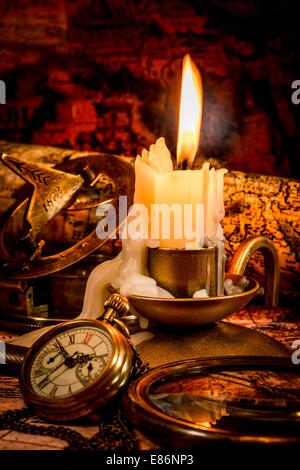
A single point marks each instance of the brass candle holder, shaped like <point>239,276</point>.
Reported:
<point>183,272</point>
<point>203,311</point>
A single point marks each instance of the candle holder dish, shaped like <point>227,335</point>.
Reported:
<point>187,312</point>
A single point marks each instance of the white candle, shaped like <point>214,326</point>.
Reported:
<point>197,188</point>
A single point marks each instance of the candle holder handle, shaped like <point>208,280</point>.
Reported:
<point>242,256</point>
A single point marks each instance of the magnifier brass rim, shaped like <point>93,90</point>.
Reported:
<point>172,431</point>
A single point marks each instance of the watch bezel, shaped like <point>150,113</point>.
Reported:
<point>83,402</point>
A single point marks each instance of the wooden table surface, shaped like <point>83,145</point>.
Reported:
<point>282,324</point>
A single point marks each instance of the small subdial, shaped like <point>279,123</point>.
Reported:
<point>49,359</point>
<point>90,370</point>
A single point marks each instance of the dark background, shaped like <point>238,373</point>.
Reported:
<point>105,75</point>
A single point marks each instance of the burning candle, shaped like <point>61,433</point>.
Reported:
<point>197,193</point>
<point>184,205</point>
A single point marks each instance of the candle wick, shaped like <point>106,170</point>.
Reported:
<point>183,165</point>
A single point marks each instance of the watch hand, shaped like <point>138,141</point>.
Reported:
<point>66,362</point>
<point>82,358</point>
<point>63,371</point>
<point>90,368</point>
<point>45,380</point>
<point>62,349</point>
<point>52,358</point>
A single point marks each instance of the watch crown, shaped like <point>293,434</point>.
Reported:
<point>118,303</point>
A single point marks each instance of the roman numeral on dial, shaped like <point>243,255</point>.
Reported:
<point>88,337</point>
<point>53,391</point>
<point>43,383</point>
<point>71,339</point>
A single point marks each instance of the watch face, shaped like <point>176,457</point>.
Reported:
<point>75,368</point>
<point>70,361</point>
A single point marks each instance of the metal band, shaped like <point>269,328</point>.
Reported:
<point>12,356</point>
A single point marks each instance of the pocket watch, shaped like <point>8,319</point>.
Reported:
<point>80,365</point>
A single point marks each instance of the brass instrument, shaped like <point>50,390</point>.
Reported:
<point>48,240</point>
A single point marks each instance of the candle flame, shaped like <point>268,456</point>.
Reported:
<point>190,113</point>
